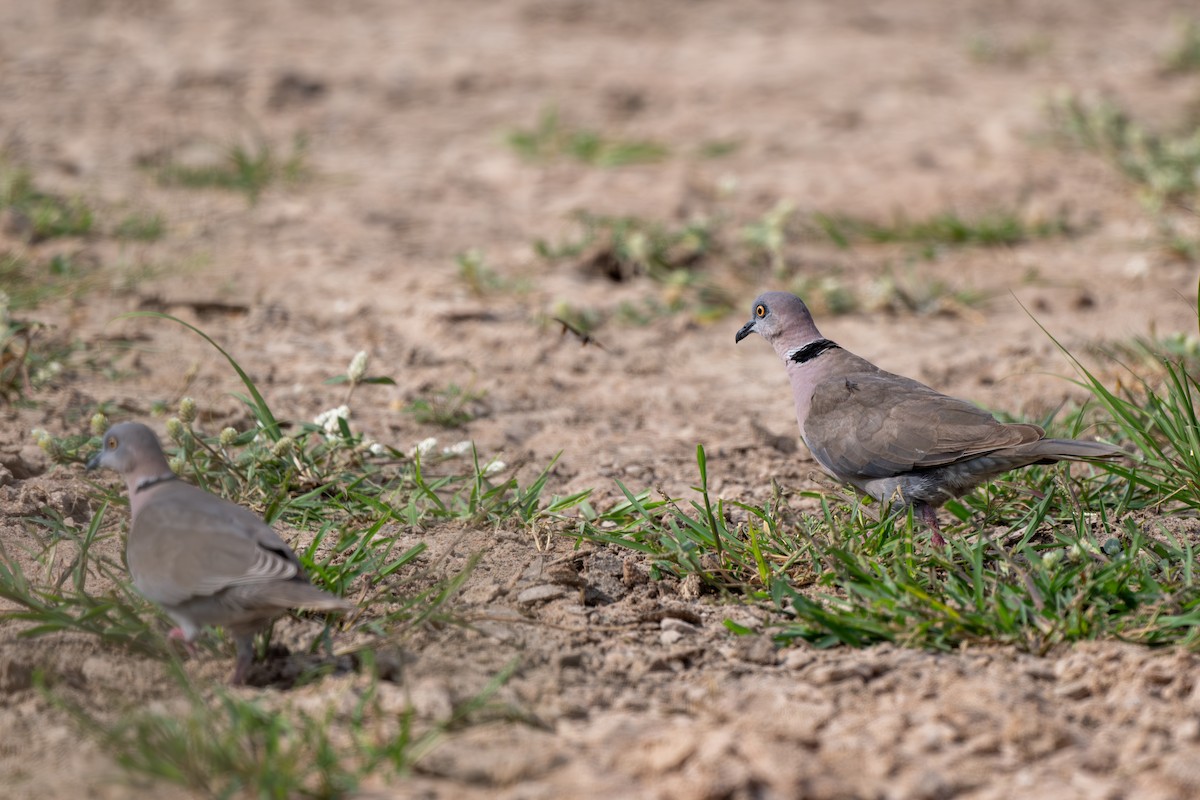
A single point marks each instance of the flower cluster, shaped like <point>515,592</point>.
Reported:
<point>426,446</point>
<point>329,420</point>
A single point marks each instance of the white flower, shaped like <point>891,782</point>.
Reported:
<point>494,466</point>
<point>46,373</point>
<point>329,419</point>
<point>371,446</point>
<point>358,367</point>
<point>458,449</point>
<point>423,447</point>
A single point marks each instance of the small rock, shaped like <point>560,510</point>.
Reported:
<point>1075,690</point>
<point>634,573</point>
<point>756,650</point>
<point>431,699</point>
<point>689,588</point>
<point>1187,731</point>
<point>541,594</point>
<point>670,637</point>
<point>797,658</point>
<point>675,624</point>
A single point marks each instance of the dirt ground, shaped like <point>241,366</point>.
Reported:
<point>918,106</point>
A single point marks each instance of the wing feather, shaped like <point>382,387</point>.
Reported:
<point>187,544</point>
<point>876,425</point>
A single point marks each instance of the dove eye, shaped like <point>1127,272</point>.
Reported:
<point>112,444</point>
<point>760,311</point>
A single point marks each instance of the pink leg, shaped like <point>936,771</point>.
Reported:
<point>928,514</point>
<point>178,635</point>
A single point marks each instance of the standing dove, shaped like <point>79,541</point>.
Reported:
<point>891,437</point>
<point>205,560</point>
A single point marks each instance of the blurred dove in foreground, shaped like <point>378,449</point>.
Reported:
<point>891,437</point>
<point>205,560</point>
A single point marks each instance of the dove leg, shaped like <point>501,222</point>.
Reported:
<point>245,657</point>
<point>928,514</point>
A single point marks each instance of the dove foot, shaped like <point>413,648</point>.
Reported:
<point>178,635</point>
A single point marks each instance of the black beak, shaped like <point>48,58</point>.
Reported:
<point>746,330</point>
<point>94,461</point>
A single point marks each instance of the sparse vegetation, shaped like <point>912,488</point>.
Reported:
<point>915,294</point>
<point>988,48</point>
<point>481,279</point>
<point>68,601</point>
<point>678,257</point>
<point>1184,56</point>
<point>248,169</point>
<point>993,229</point>
<point>622,248</point>
<point>552,139</point>
<point>29,359</point>
<point>229,745</point>
<point>450,407</point>
<point>1165,167</point>
<point>141,227</point>
<point>42,214</point>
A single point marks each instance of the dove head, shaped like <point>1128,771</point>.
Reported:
<point>131,449</point>
<point>782,319</point>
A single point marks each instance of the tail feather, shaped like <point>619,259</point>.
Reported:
<point>298,594</point>
<point>1047,451</point>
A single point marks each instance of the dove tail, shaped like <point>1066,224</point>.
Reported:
<point>301,594</point>
<point>1051,450</point>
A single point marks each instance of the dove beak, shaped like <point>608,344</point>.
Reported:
<point>746,330</point>
<point>94,461</point>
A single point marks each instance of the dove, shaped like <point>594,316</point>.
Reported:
<point>888,436</point>
<point>205,560</point>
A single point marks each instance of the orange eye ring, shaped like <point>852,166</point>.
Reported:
<point>112,444</point>
<point>760,311</point>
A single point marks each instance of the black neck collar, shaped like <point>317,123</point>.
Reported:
<point>811,350</point>
<point>146,484</point>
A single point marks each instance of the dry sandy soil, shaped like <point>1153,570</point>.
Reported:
<point>853,107</point>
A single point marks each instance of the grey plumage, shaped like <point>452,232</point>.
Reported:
<point>891,437</point>
<point>205,560</point>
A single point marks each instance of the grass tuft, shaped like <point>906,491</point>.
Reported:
<point>69,601</point>
<point>1184,56</point>
<point>552,139</point>
<point>228,745</point>
<point>998,228</point>
<point>450,407</point>
<point>44,215</point>
<point>1166,168</point>
<point>245,169</point>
